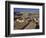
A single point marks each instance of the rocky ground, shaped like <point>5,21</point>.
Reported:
<point>27,22</point>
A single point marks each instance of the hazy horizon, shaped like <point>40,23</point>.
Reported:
<point>30,10</point>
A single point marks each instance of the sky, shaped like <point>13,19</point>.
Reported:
<point>31,10</point>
